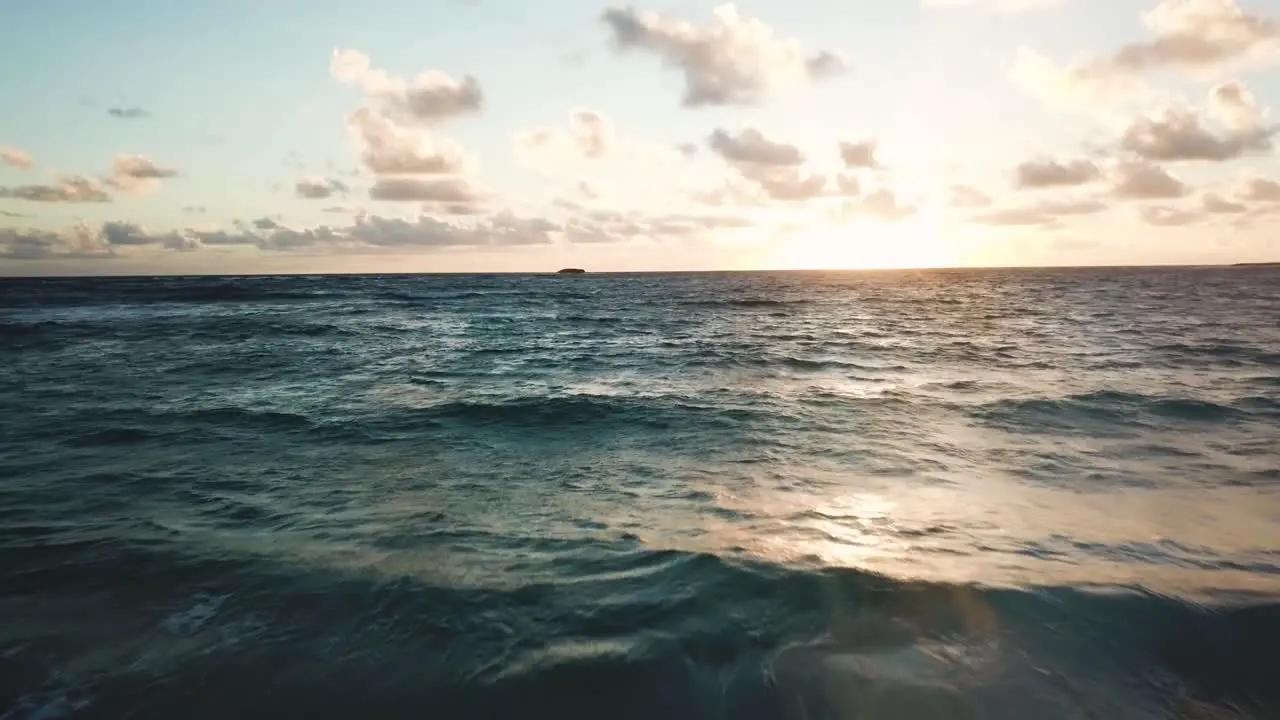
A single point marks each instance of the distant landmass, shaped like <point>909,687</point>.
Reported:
<point>1259,264</point>
<point>572,271</point>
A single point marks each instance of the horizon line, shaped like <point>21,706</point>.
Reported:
<point>528,273</point>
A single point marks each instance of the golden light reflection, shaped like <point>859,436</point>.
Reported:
<point>865,243</point>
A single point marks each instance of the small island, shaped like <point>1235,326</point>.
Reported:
<point>571,271</point>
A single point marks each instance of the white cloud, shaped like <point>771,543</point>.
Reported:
<point>613,226</point>
<point>861,154</point>
<point>15,158</point>
<point>1195,36</point>
<point>71,189</point>
<point>792,184</point>
<point>1083,84</point>
<point>391,149</point>
<point>731,61</point>
<point>731,192</point>
<point>369,234</point>
<point>430,98</point>
<point>750,146</point>
<point>1179,133</point>
<point>882,204</point>
<point>1236,107</point>
<point>1140,180</point>
<point>1049,173</point>
<point>774,167</point>
<point>441,192</point>
<point>79,242</point>
<point>1259,189</point>
<point>1044,213</point>
<point>965,196</point>
<point>319,188</point>
<point>136,174</point>
<point>590,134</point>
<point>1218,205</point>
<point>503,229</point>
<point>394,132</point>
<point>1165,216</point>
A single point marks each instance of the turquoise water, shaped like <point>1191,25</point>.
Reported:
<point>911,494</point>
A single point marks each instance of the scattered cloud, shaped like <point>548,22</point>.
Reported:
<point>503,229</point>
<point>615,226</point>
<point>15,158</point>
<point>1194,36</point>
<point>123,233</point>
<point>77,242</point>
<point>590,135</point>
<point>390,149</point>
<point>791,184</point>
<point>861,154</point>
<point>128,113</point>
<point>319,188</point>
<point>1259,190</point>
<point>882,204</point>
<point>731,61</point>
<point>428,99</point>
<point>968,197</point>
<point>1178,134</point>
<point>1236,107</point>
<point>750,146</point>
<point>1043,173</point>
<point>369,234</point>
<point>1043,213</point>
<point>1165,216</point>
<point>1141,180</point>
<point>731,192</point>
<point>70,189</point>
<point>136,174</point>
<point>454,193</point>
<point>1082,84</point>
<point>195,209</point>
<point>591,131</point>
<point>1218,205</point>
<point>772,166</point>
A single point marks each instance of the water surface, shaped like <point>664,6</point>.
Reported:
<point>1052,494</point>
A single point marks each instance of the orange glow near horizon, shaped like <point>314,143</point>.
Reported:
<point>866,244</point>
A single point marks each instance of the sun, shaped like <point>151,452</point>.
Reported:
<point>864,244</point>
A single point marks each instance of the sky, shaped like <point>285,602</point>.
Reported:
<point>255,136</point>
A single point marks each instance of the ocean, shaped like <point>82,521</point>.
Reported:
<point>918,494</point>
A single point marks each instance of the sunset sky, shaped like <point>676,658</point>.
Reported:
<point>247,136</point>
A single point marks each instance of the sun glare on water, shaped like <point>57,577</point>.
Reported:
<point>865,244</point>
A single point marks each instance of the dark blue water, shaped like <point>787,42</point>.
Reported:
<point>961,494</point>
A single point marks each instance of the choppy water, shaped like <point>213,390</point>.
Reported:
<point>1012,494</point>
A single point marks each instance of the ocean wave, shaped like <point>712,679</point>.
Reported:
<point>111,436</point>
<point>504,497</point>
<point>746,303</point>
<point>1103,411</point>
<point>241,417</point>
<point>561,411</point>
<point>247,328</point>
<point>663,633</point>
